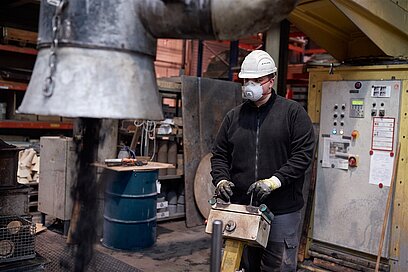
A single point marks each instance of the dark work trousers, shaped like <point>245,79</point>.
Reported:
<point>280,253</point>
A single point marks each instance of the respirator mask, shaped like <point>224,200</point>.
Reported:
<point>252,90</point>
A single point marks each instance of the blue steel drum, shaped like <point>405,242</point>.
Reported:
<point>130,210</point>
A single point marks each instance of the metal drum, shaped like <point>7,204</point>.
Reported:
<point>130,210</point>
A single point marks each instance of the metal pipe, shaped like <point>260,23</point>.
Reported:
<point>96,58</point>
<point>212,19</point>
<point>104,64</point>
<point>216,246</point>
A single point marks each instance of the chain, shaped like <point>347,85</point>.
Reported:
<point>52,61</point>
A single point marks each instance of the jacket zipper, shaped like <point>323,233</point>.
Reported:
<point>256,146</point>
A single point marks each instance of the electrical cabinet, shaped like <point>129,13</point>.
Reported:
<point>357,144</point>
<point>57,176</point>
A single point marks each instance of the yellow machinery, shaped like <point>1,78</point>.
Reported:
<point>353,175</point>
<point>343,101</point>
<point>355,28</point>
<point>242,225</point>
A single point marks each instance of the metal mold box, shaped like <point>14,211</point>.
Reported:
<point>251,225</point>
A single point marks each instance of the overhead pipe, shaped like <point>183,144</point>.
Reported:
<point>103,66</point>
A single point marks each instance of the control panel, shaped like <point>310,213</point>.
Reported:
<point>357,141</point>
<point>356,108</point>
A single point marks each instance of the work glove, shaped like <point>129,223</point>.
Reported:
<point>262,188</point>
<point>224,190</point>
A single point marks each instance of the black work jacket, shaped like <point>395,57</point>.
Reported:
<point>256,143</point>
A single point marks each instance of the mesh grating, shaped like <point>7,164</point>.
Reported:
<point>17,239</point>
<point>53,247</point>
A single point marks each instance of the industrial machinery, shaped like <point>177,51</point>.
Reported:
<point>100,57</point>
<point>362,113</point>
<point>358,134</point>
<point>242,225</point>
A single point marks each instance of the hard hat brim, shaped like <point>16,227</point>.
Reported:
<point>255,74</point>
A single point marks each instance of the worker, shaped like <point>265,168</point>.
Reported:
<point>261,153</point>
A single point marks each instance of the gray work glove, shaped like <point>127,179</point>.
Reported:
<point>224,190</point>
<point>262,188</point>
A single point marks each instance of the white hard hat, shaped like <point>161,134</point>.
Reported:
<point>257,64</point>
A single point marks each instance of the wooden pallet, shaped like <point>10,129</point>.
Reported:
<point>22,37</point>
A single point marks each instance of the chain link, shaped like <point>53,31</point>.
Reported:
<point>52,61</point>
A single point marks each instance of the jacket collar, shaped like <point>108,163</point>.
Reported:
<point>267,104</point>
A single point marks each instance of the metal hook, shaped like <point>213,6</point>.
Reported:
<point>331,71</point>
<point>61,6</point>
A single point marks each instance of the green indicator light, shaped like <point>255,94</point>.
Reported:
<point>357,102</point>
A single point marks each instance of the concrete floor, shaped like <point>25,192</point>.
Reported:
<point>178,248</point>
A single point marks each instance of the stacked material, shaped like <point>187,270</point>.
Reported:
<point>28,166</point>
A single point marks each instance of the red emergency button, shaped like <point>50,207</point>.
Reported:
<point>352,161</point>
<point>354,134</point>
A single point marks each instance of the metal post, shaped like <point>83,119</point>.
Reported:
<point>200,58</point>
<point>216,245</point>
<point>283,57</point>
<point>233,59</point>
<point>43,218</point>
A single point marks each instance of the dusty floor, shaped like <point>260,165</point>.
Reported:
<point>177,249</point>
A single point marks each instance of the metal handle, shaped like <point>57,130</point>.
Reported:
<point>216,245</point>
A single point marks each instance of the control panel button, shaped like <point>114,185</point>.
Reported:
<point>374,104</point>
<point>341,132</point>
<point>342,115</point>
<point>343,106</point>
<point>335,115</point>
<point>334,131</point>
<point>373,112</point>
<point>334,123</point>
<point>352,161</point>
<point>381,113</point>
<point>354,134</point>
<point>341,123</point>
<point>336,106</point>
